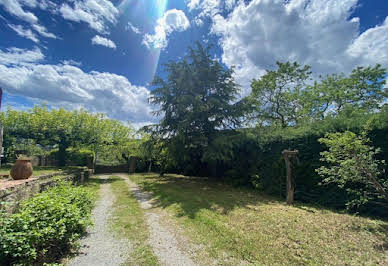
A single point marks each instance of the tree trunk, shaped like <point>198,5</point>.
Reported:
<point>62,156</point>
<point>150,167</point>
<point>378,186</point>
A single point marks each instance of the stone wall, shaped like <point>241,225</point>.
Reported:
<point>14,191</point>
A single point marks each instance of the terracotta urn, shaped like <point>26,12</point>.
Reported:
<point>22,169</point>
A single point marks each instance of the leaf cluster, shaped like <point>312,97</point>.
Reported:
<point>351,164</point>
<point>46,225</point>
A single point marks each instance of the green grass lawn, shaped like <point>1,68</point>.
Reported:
<point>37,170</point>
<point>237,225</point>
<point>129,222</point>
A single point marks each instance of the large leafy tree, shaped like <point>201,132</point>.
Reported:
<point>287,97</point>
<point>362,90</point>
<point>197,100</point>
<point>279,96</point>
<point>63,129</point>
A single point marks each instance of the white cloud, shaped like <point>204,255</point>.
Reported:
<point>97,13</point>
<point>43,31</point>
<point>15,8</point>
<point>71,62</point>
<point>23,73</point>
<point>98,40</point>
<point>372,45</point>
<point>193,4</point>
<point>19,56</point>
<point>172,20</point>
<point>26,33</point>
<point>316,32</point>
<point>209,8</point>
<point>133,28</point>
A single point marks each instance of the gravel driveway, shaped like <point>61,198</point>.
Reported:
<point>100,247</point>
<point>167,243</point>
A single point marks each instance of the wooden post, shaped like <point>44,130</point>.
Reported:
<point>288,156</point>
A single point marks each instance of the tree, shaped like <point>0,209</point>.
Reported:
<point>351,162</point>
<point>363,90</point>
<point>58,128</point>
<point>197,100</point>
<point>278,97</point>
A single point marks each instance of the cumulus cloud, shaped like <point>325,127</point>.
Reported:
<point>372,45</point>
<point>98,40</point>
<point>316,32</point>
<point>208,8</point>
<point>96,13</point>
<point>133,28</point>
<point>23,32</point>
<point>23,72</point>
<point>172,20</point>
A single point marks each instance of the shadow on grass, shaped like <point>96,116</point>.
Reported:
<point>381,230</point>
<point>194,194</point>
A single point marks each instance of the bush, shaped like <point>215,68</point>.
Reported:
<point>46,226</point>
<point>79,157</point>
<point>352,165</point>
<point>75,157</point>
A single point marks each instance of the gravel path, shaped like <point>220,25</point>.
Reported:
<point>100,247</point>
<point>168,245</point>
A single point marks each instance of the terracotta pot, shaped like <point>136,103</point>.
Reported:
<point>22,169</point>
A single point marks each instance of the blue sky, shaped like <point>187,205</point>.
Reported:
<point>101,54</point>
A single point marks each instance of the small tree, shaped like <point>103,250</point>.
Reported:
<point>352,165</point>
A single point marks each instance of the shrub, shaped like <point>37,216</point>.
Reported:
<point>352,164</point>
<point>46,225</point>
<point>79,157</point>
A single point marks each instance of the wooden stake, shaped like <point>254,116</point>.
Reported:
<point>288,156</point>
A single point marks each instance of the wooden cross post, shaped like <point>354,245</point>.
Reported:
<point>288,156</point>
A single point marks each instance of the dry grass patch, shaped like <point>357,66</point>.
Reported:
<point>129,222</point>
<point>238,225</point>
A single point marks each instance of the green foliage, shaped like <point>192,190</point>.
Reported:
<point>79,157</point>
<point>58,128</point>
<point>278,97</point>
<point>196,100</point>
<point>196,97</point>
<point>284,97</point>
<point>352,165</point>
<point>363,91</point>
<point>46,225</point>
